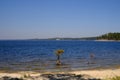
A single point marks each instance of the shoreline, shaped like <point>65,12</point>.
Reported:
<point>100,73</point>
<point>105,40</point>
<point>61,69</point>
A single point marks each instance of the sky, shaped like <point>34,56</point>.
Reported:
<point>28,19</point>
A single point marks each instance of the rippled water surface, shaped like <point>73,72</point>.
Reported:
<point>39,55</point>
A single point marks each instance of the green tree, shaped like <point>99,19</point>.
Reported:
<point>110,36</point>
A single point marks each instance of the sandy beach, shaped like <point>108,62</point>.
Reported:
<point>86,74</point>
<point>102,74</point>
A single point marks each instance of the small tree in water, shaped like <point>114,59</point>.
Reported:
<point>58,53</point>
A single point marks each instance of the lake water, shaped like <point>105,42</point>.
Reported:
<point>39,55</point>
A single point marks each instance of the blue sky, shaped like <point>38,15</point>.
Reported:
<point>26,19</point>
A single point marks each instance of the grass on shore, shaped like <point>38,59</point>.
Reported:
<point>114,78</point>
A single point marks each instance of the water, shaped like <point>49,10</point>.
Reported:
<point>27,55</point>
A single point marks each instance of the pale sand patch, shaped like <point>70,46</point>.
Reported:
<point>105,73</point>
<point>20,74</point>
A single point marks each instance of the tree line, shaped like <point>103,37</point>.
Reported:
<point>110,36</point>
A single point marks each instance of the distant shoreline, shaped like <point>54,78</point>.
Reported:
<point>102,40</point>
<point>108,40</point>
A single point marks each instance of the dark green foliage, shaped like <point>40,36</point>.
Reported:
<point>110,36</point>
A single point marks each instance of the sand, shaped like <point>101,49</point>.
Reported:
<point>102,74</point>
<point>19,74</point>
<point>98,73</point>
